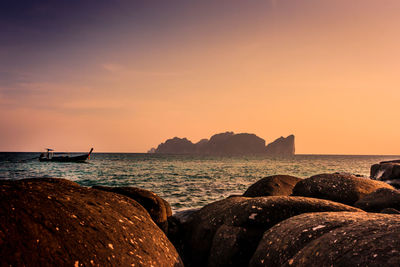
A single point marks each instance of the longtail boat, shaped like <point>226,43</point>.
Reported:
<point>50,157</point>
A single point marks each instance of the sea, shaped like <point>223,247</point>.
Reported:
<point>185,181</point>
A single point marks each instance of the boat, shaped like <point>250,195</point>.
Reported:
<point>50,157</point>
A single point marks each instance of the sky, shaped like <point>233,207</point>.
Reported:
<point>125,75</point>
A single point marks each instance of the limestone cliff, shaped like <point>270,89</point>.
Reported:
<point>228,143</point>
<point>176,146</point>
<point>282,146</point>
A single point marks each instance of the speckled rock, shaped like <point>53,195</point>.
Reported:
<point>331,239</point>
<point>244,220</point>
<point>232,246</point>
<point>276,185</point>
<point>379,200</point>
<point>55,222</point>
<point>346,189</point>
<point>158,208</point>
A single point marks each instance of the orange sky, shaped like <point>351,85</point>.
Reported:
<point>325,71</point>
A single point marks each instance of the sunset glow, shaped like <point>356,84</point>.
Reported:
<point>124,76</point>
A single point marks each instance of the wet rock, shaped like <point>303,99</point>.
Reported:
<point>386,170</point>
<point>276,185</point>
<point>379,200</point>
<point>244,221</point>
<point>341,188</point>
<point>331,239</point>
<point>55,222</point>
<point>158,208</point>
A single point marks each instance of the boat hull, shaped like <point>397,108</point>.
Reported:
<point>81,158</point>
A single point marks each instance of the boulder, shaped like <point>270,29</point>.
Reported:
<point>244,220</point>
<point>394,183</point>
<point>390,211</point>
<point>55,222</point>
<point>158,208</point>
<point>386,170</point>
<point>276,185</point>
<point>177,227</point>
<point>168,208</point>
<point>331,239</point>
<point>341,188</point>
<point>380,199</point>
<point>232,245</point>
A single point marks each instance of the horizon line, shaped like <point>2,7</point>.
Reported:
<point>296,154</point>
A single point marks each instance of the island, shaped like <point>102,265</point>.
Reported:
<point>228,143</point>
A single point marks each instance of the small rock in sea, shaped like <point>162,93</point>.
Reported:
<point>386,170</point>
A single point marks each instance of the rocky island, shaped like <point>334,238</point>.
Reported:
<point>228,143</point>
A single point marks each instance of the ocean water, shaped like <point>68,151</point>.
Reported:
<point>184,181</point>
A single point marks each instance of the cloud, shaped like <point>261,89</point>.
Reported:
<point>60,98</point>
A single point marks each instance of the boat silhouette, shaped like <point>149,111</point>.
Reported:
<point>49,156</point>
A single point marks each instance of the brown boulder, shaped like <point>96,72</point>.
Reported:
<point>386,170</point>
<point>331,239</point>
<point>276,185</point>
<point>177,227</point>
<point>380,199</point>
<point>55,222</point>
<point>244,220</point>
<point>232,245</point>
<point>158,208</point>
<point>343,188</point>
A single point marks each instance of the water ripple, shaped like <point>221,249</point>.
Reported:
<point>185,181</point>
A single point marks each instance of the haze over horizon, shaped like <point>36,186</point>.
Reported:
<point>124,76</point>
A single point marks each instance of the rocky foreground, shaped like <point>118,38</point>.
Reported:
<point>325,220</point>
